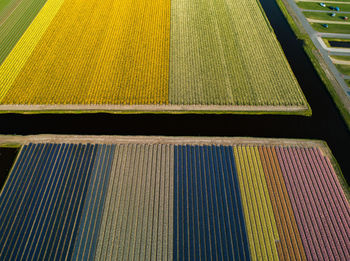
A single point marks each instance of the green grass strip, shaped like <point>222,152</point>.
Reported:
<point>339,17</point>
<point>343,68</point>
<point>316,6</point>
<point>326,40</point>
<point>332,28</point>
<point>342,58</point>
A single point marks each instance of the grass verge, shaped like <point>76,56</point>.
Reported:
<point>10,145</point>
<point>339,17</point>
<point>343,68</point>
<point>332,28</point>
<point>316,6</point>
<point>326,40</point>
<point>341,58</point>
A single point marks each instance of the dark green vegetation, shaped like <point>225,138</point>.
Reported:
<point>15,22</point>
<point>348,82</point>
<point>316,6</point>
<point>343,58</point>
<point>332,28</point>
<point>339,17</point>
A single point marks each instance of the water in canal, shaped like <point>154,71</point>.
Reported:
<point>7,158</point>
<point>339,44</point>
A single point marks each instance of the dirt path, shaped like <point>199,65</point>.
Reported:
<point>106,139</point>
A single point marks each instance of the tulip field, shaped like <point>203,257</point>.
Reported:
<point>164,198</point>
<point>171,55</point>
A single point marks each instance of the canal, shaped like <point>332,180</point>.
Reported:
<point>7,158</point>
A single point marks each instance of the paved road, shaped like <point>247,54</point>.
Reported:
<point>339,53</point>
<point>326,21</point>
<point>332,49</point>
<point>314,37</point>
<point>319,11</point>
<point>332,35</point>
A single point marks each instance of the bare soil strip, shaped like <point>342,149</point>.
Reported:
<point>151,108</point>
<point>109,139</point>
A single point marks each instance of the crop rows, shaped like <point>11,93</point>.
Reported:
<point>261,224</point>
<point>14,21</point>
<point>320,207</point>
<point>117,54</point>
<point>173,201</point>
<point>207,205</point>
<point>15,61</point>
<point>125,53</point>
<point>221,53</point>
<point>289,245</point>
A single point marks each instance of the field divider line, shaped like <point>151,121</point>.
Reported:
<point>18,57</point>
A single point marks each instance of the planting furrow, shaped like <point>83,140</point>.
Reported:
<point>103,63</point>
<point>289,247</point>
<point>308,186</point>
<point>152,201</point>
<point>261,219</point>
<point>207,67</point>
<point>303,222</point>
<point>339,213</point>
<point>19,55</point>
<point>328,218</point>
<point>313,203</point>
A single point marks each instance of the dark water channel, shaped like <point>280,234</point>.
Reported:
<point>339,44</point>
<point>7,158</point>
<point>326,122</point>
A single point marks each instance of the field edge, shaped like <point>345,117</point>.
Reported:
<point>155,109</point>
